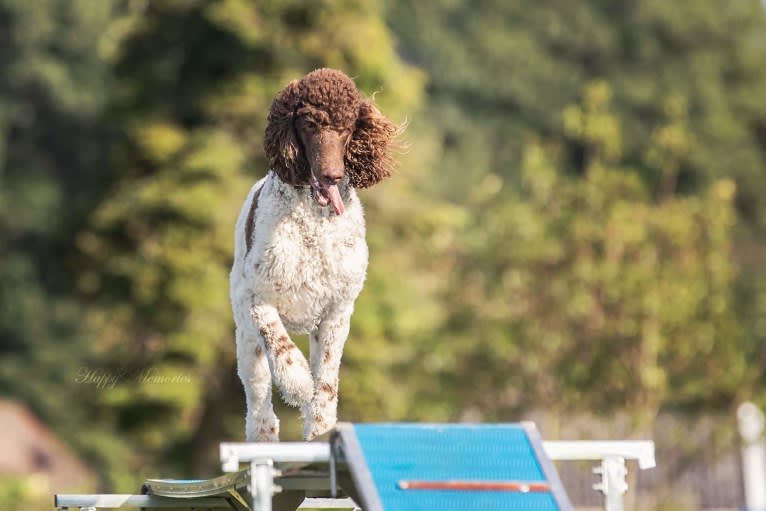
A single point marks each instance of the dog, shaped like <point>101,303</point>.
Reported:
<point>300,255</point>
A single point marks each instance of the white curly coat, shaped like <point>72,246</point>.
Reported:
<point>302,273</point>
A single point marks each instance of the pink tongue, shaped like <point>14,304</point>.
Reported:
<point>337,202</point>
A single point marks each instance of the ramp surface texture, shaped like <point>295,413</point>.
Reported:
<point>460,467</point>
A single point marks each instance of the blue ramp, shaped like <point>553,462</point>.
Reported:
<point>451,467</point>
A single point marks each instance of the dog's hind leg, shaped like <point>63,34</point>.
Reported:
<point>261,424</point>
<point>289,367</point>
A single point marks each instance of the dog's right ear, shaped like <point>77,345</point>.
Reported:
<point>281,144</point>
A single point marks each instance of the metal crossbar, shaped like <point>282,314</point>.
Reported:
<point>111,501</point>
<point>232,454</point>
<point>640,450</point>
<point>321,503</point>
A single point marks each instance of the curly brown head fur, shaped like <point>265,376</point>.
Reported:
<point>322,124</point>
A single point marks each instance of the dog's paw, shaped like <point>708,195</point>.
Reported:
<point>316,420</point>
<point>316,425</point>
<point>263,429</point>
<point>264,435</point>
<point>295,382</point>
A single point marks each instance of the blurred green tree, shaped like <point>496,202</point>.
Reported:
<point>54,142</point>
<point>687,107</point>
<point>585,293</point>
<point>500,71</point>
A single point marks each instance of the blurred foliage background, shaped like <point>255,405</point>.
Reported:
<point>577,225</point>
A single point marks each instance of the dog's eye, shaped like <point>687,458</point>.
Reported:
<point>309,124</point>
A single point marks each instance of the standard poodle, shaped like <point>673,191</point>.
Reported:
<point>300,255</point>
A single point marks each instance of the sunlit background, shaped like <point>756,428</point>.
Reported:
<point>576,233</point>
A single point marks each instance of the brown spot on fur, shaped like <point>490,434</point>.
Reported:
<point>327,389</point>
<point>250,224</point>
<point>283,346</point>
<point>318,419</point>
<point>258,351</point>
<point>289,361</point>
<point>273,429</point>
<point>327,355</point>
<point>268,332</point>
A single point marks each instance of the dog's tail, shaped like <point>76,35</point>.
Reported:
<point>289,368</point>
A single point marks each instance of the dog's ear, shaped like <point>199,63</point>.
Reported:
<point>281,144</point>
<point>368,159</point>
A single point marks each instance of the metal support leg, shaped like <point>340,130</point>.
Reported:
<point>612,485</point>
<point>334,455</point>
<point>262,487</point>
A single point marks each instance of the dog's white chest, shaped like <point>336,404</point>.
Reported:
<point>310,262</point>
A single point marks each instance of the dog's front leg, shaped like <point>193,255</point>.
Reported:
<point>326,346</point>
<point>289,368</point>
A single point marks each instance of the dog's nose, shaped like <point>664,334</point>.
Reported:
<point>332,177</point>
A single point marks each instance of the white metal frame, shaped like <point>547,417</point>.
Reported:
<point>262,456</point>
<point>265,460</point>
<point>611,454</point>
<point>751,424</point>
<point>109,501</point>
<point>612,469</point>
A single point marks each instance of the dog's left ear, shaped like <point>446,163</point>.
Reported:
<point>283,150</point>
<point>368,159</point>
